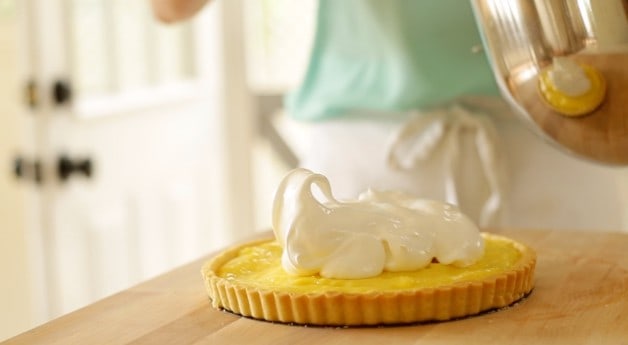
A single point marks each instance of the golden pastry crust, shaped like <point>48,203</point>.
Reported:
<point>370,308</point>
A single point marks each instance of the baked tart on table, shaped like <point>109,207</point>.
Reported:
<point>386,258</point>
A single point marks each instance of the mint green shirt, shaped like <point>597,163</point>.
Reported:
<point>391,55</point>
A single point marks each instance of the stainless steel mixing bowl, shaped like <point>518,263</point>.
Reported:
<point>522,37</point>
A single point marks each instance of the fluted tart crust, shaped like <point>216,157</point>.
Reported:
<point>248,280</point>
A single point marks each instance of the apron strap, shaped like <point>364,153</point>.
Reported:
<point>418,139</point>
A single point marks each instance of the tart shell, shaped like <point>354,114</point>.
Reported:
<point>371,308</point>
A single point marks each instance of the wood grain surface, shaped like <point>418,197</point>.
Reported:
<point>604,132</point>
<point>581,297</point>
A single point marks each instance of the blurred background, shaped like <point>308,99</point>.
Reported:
<point>129,147</point>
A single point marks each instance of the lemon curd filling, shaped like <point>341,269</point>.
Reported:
<point>259,266</point>
<point>574,105</point>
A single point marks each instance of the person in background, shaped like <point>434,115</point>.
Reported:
<point>400,95</point>
<point>171,11</point>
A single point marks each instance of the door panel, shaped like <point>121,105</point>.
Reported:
<point>116,49</point>
<point>140,212</point>
<point>157,126</point>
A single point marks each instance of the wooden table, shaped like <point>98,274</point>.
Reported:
<point>581,297</point>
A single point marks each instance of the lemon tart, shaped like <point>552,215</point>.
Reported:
<point>248,280</point>
<point>386,258</point>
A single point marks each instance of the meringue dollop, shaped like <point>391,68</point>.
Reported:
<point>380,231</point>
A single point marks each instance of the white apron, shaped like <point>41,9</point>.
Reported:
<point>480,158</point>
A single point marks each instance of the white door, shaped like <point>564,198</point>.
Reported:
<point>142,167</point>
<point>18,254</point>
